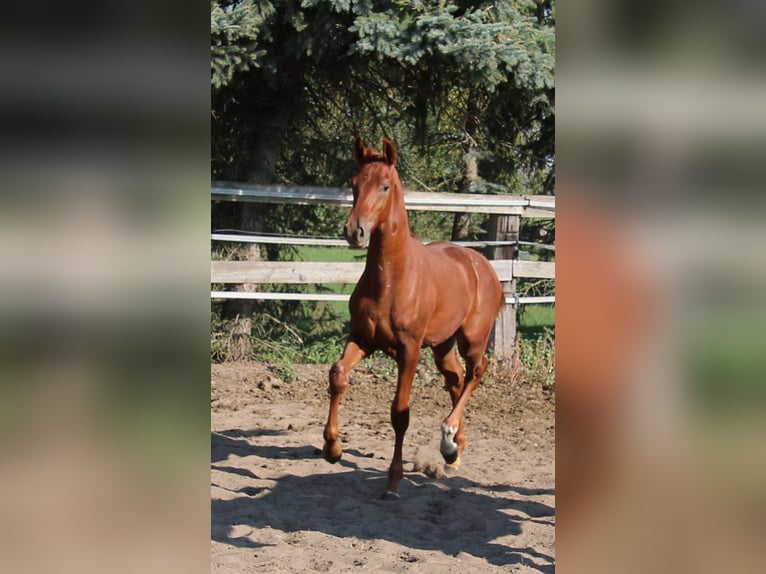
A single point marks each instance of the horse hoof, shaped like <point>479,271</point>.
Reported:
<point>332,453</point>
<point>389,495</point>
<point>451,458</point>
<point>452,467</point>
<point>448,446</point>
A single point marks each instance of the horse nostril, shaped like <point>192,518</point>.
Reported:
<point>361,232</point>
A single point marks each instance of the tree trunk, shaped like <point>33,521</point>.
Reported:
<point>262,169</point>
<point>461,224</point>
<point>240,312</point>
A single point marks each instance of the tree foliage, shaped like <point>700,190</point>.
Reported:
<point>452,82</point>
<point>235,30</point>
<point>419,72</point>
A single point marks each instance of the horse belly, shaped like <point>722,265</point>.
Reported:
<point>444,323</point>
<point>451,307</point>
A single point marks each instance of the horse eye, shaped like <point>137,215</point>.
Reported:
<point>385,187</point>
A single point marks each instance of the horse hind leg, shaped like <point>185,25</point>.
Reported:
<point>452,426</point>
<point>453,440</point>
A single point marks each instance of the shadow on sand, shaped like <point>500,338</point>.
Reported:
<point>451,515</point>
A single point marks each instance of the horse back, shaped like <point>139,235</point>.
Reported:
<point>464,283</point>
<point>449,257</point>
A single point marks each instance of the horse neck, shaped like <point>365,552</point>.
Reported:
<point>389,245</point>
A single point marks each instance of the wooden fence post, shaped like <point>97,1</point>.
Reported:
<point>505,228</point>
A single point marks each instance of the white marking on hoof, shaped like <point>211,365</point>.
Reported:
<point>389,495</point>
<point>448,445</point>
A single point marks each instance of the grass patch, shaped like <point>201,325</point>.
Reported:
<point>316,338</point>
<point>332,254</point>
<point>535,360</point>
<point>533,320</point>
<point>535,353</point>
<point>340,254</point>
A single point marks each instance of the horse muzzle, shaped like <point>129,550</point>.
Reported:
<point>358,233</point>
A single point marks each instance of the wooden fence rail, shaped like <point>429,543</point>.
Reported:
<point>310,272</point>
<point>541,206</point>
<point>506,212</point>
<point>339,242</point>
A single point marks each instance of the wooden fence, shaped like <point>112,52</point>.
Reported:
<point>505,218</point>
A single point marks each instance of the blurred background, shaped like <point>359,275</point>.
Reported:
<point>105,308</point>
<point>104,212</point>
<point>661,371</point>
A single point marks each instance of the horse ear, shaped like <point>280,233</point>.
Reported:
<point>359,150</point>
<point>389,151</point>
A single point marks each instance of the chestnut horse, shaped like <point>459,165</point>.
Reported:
<point>411,296</point>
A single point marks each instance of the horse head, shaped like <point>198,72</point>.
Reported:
<point>376,189</point>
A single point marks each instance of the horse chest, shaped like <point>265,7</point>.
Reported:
<point>381,320</point>
<point>371,319</point>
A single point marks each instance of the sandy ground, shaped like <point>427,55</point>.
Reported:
<point>277,506</point>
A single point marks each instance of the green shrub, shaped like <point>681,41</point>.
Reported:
<point>535,360</point>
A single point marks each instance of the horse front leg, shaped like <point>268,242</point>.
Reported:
<point>407,362</point>
<point>352,354</point>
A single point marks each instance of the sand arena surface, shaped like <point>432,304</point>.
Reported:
<point>277,506</point>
